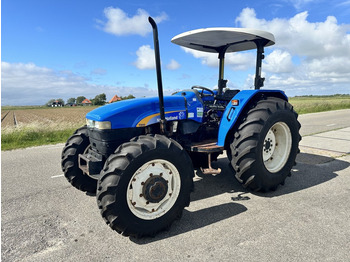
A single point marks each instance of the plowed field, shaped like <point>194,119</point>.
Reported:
<point>58,117</point>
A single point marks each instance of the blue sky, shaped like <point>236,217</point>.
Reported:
<point>62,49</point>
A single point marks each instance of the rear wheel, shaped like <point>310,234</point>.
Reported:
<point>145,185</point>
<point>77,144</point>
<point>265,145</point>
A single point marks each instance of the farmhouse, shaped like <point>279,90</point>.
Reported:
<point>115,98</point>
<point>56,104</point>
<point>86,102</point>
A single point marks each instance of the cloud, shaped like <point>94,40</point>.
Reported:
<point>237,61</point>
<point>308,58</point>
<point>145,58</point>
<point>298,4</point>
<point>119,23</point>
<point>173,65</point>
<point>301,37</point>
<point>279,62</point>
<point>99,71</point>
<point>344,3</point>
<point>29,84</point>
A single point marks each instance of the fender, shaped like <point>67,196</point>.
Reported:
<point>232,112</point>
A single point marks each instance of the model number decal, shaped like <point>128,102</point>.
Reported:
<point>199,111</point>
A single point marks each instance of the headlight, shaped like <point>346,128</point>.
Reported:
<point>90,123</point>
<point>98,124</point>
<point>103,125</point>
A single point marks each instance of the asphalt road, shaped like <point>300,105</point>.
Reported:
<point>43,218</point>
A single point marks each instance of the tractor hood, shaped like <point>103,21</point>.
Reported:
<point>142,112</point>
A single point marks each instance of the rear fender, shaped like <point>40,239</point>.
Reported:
<point>232,112</point>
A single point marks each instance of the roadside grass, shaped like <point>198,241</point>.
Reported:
<point>34,135</point>
<point>314,104</point>
<point>38,133</point>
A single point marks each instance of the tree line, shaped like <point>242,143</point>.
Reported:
<point>98,100</point>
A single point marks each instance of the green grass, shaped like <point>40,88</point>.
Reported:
<point>5,108</point>
<point>34,135</point>
<point>313,104</point>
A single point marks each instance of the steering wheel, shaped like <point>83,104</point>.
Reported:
<point>204,88</point>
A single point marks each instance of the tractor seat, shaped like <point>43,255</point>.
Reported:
<point>227,96</point>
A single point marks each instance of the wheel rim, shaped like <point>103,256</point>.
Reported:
<point>153,189</point>
<point>277,146</point>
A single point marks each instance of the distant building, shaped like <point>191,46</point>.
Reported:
<point>56,104</point>
<point>86,102</point>
<point>115,98</point>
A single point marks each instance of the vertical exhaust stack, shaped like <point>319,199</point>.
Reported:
<point>159,75</point>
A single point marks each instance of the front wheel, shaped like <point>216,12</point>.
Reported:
<point>265,144</point>
<point>145,185</point>
<point>77,144</point>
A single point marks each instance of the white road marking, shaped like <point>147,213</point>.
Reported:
<point>57,176</point>
<point>331,125</point>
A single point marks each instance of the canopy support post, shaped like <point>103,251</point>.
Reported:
<point>222,82</point>
<point>259,81</point>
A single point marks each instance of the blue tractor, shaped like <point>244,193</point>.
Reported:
<point>138,156</point>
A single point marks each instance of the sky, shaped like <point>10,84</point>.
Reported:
<point>63,48</point>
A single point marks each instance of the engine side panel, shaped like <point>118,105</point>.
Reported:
<point>143,112</point>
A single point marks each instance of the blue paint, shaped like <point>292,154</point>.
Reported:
<point>129,113</point>
<point>232,113</point>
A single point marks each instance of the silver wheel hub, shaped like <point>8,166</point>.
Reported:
<point>153,189</point>
<point>269,145</point>
<point>276,147</point>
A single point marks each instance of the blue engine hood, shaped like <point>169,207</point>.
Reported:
<point>145,111</point>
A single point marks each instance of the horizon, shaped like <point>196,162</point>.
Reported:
<point>44,105</point>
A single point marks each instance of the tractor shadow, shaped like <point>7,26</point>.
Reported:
<point>192,220</point>
<point>311,170</point>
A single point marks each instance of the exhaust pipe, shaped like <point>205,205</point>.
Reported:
<point>159,75</point>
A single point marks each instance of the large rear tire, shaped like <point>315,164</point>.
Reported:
<point>77,144</point>
<point>145,185</point>
<point>265,144</point>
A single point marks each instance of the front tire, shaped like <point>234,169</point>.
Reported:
<point>145,185</point>
<point>77,144</point>
<point>265,144</point>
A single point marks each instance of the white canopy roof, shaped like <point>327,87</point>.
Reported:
<point>211,39</point>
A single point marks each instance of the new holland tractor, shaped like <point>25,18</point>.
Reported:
<point>138,156</point>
